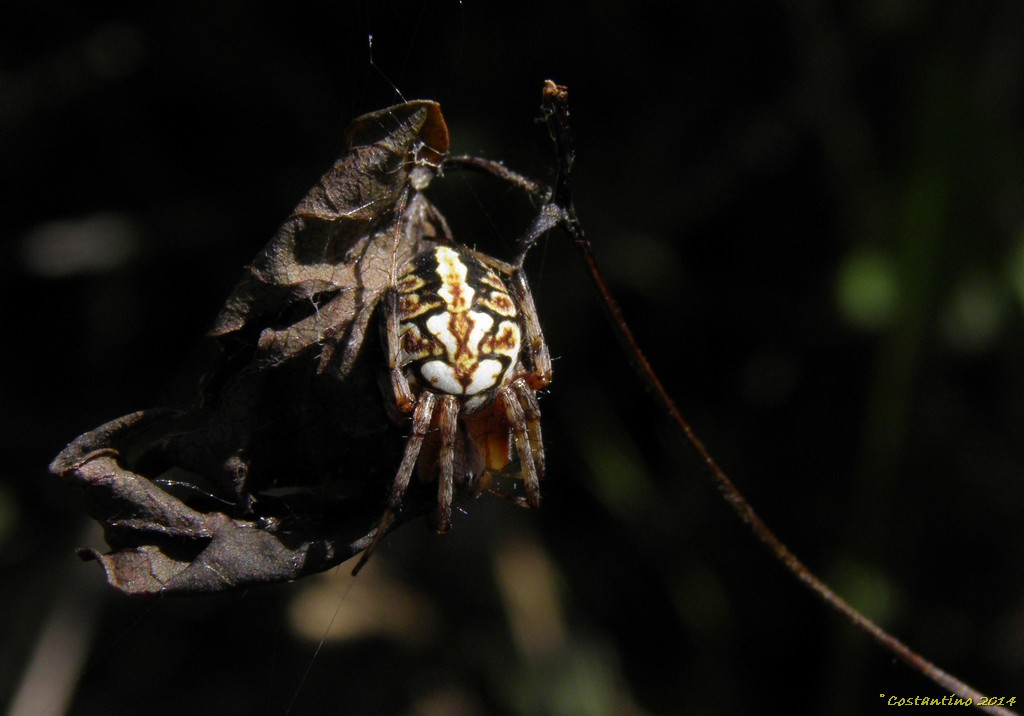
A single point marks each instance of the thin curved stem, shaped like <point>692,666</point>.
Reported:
<point>555,107</point>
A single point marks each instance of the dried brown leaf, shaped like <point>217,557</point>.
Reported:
<point>280,472</point>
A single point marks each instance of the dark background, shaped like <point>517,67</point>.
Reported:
<point>813,215</point>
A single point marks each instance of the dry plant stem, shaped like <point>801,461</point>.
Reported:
<point>556,114</point>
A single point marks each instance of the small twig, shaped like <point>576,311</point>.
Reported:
<point>555,107</point>
<point>500,171</point>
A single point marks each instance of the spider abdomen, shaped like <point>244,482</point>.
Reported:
<point>459,326</point>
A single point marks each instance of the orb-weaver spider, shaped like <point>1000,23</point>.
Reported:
<point>275,472</point>
<point>465,358</point>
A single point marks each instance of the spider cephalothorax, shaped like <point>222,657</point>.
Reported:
<point>465,358</point>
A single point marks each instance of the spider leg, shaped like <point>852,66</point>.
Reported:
<point>448,424</point>
<point>500,171</point>
<point>551,212</point>
<point>436,221</point>
<point>400,389</point>
<point>537,348</point>
<point>421,419</point>
<point>531,410</point>
<point>521,437</point>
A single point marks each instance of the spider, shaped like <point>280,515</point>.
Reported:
<point>465,358</point>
